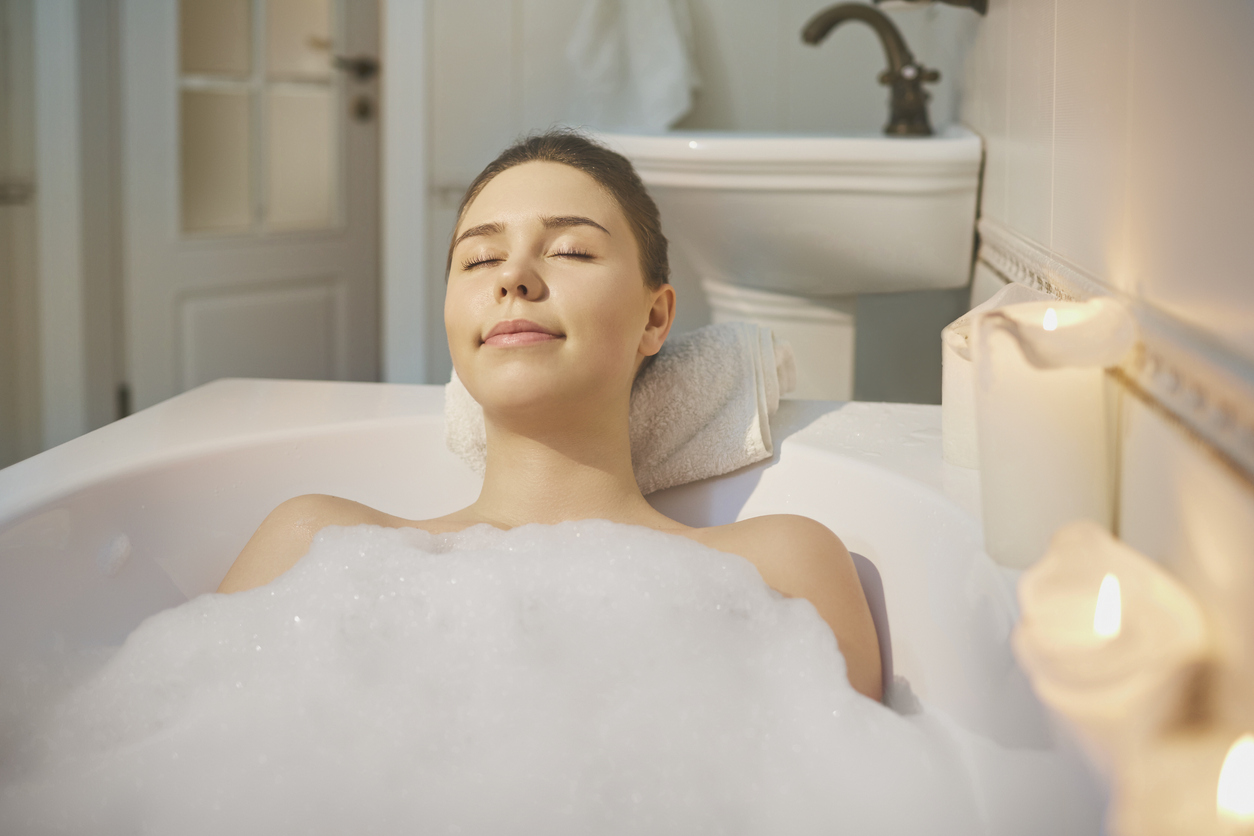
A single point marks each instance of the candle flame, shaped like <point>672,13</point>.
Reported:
<point>1235,798</point>
<point>1107,615</point>
<point>1051,319</point>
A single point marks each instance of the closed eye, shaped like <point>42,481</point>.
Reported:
<point>573,252</point>
<point>475,261</point>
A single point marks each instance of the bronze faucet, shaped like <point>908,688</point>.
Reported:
<point>908,112</point>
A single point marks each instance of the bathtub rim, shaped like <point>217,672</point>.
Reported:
<point>315,408</point>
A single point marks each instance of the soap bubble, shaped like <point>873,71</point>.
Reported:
<point>586,677</point>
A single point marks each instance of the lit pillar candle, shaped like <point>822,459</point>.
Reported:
<point>958,375</point>
<point>1041,419</point>
<point>958,442</point>
<point>1197,782</point>
<point>1234,797</point>
<point>1104,630</point>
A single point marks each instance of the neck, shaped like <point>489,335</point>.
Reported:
<point>550,471</point>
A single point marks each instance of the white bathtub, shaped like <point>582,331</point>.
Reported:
<point>101,532</point>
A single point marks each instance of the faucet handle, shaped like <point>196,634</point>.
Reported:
<point>908,107</point>
<point>910,73</point>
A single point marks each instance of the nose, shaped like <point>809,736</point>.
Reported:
<point>521,280</point>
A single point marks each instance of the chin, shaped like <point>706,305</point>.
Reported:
<point>524,386</point>
<point>516,386</point>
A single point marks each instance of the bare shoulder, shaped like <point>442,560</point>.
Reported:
<point>284,536</point>
<point>318,510</point>
<point>789,528</point>
<point>802,558</point>
<point>775,542</point>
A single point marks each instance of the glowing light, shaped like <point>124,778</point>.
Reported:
<point>1050,323</point>
<point>1108,614</point>
<point>693,144</point>
<point>1235,798</point>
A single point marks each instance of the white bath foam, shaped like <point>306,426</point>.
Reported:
<point>579,678</point>
<point>29,696</point>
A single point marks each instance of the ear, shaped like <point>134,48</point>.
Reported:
<point>661,317</point>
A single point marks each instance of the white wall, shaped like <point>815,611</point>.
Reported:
<point>59,301</point>
<point>498,70</point>
<point>58,220</point>
<point>405,287</point>
<point>101,208</point>
<point>1118,138</point>
<point>20,430</point>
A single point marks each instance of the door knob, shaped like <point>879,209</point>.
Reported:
<point>360,67</point>
<point>15,192</point>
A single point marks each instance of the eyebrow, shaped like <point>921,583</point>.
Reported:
<point>562,221</point>
<point>482,229</point>
<point>549,221</point>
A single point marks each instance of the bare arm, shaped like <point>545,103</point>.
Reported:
<point>284,537</point>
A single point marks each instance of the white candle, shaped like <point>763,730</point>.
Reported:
<point>958,437</point>
<point>1234,798</point>
<point>958,442</point>
<point>1104,631</point>
<point>1041,419</point>
<point>1188,783</point>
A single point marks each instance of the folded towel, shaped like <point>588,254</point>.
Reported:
<point>700,408</point>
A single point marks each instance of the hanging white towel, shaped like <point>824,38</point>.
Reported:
<point>700,409</point>
<point>633,65</point>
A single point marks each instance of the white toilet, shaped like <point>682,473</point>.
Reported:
<point>786,231</point>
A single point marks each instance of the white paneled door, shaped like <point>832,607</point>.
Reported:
<point>250,193</point>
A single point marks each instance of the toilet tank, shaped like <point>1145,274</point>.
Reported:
<point>816,215</point>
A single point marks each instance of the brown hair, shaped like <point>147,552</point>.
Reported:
<point>612,171</point>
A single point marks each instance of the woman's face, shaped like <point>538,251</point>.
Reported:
<point>546,304</point>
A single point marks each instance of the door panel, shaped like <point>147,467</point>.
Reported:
<point>250,192</point>
<point>301,175</point>
<point>215,164</point>
<point>284,332</point>
<point>215,36</point>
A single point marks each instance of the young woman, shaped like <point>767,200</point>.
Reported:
<point>557,293</point>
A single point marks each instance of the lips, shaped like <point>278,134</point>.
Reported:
<point>513,332</point>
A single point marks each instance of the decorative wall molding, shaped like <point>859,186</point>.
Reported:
<point>1201,385</point>
<point>1020,260</point>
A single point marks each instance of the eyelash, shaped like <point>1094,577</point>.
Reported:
<point>475,262</point>
<point>575,252</point>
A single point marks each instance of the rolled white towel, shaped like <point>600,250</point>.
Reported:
<point>701,408</point>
